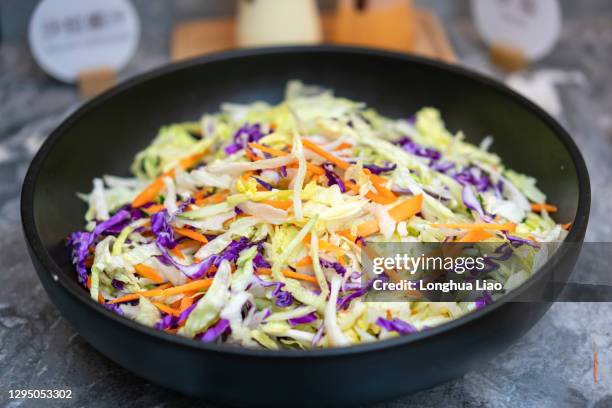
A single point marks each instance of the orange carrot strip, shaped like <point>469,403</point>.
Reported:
<point>269,150</point>
<point>150,193</point>
<point>343,145</point>
<point>539,207</point>
<point>289,274</point>
<point>476,235</point>
<point>213,199</point>
<point>566,226</point>
<point>147,293</point>
<point>478,226</point>
<point>305,261</point>
<point>185,303</point>
<point>407,208</point>
<point>194,285</point>
<point>383,191</point>
<point>154,209</point>
<point>347,235</point>
<point>281,204</point>
<point>148,272</point>
<point>369,195</point>
<point>325,154</point>
<point>192,160</point>
<point>153,189</point>
<point>196,236</point>
<point>252,156</point>
<point>318,170</point>
<point>367,228</point>
<point>176,251</point>
<point>166,309</point>
<point>376,180</point>
<point>101,299</point>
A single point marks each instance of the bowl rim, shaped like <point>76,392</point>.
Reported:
<point>73,288</point>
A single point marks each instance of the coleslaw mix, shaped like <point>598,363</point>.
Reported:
<point>246,227</point>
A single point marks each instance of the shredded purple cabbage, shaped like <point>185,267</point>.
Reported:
<point>375,169</point>
<point>215,331</point>
<point>310,317</point>
<point>484,300</point>
<point>344,303</point>
<point>341,270</point>
<point>281,298</point>
<point>517,241</point>
<point>114,307</point>
<point>473,176</point>
<point>471,201</point>
<point>333,177</point>
<point>408,145</point>
<point>396,325</point>
<point>169,321</point>
<point>160,226</point>
<point>117,284</point>
<point>245,134</point>
<point>264,184</point>
<point>80,242</point>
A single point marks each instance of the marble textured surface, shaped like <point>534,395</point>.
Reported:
<point>550,367</point>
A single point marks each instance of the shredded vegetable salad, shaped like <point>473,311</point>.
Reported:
<point>246,227</point>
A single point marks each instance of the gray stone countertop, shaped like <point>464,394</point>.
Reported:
<point>550,367</point>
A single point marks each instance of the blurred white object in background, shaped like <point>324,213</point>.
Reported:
<point>541,86</point>
<point>532,27</point>
<point>69,37</point>
<point>275,22</point>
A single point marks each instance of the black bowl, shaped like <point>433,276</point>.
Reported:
<point>104,134</point>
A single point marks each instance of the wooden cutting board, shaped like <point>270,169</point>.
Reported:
<point>199,37</point>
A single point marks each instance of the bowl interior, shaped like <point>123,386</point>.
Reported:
<point>103,137</point>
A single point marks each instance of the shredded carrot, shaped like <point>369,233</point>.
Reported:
<point>176,251</point>
<point>88,282</point>
<point>566,226</point>
<point>185,303</point>
<point>305,261</point>
<point>148,272</point>
<point>213,199</point>
<point>101,299</point>
<point>369,195</point>
<point>281,204</point>
<point>327,246</point>
<point>476,235</point>
<point>147,293</point>
<point>539,207</point>
<point>187,244</point>
<point>318,170</point>
<point>269,150</point>
<point>166,309</point>
<point>196,236</point>
<point>152,190</point>
<point>192,160</point>
<point>289,274</point>
<point>377,181</point>
<point>343,145</point>
<point>252,156</point>
<point>202,193</point>
<point>195,285</point>
<point>154,209</point>
<point>407,208</point>
<point>349,236</point>
<point>367,228</point>
<point>325,154</point>
<point>383,191</point>
<point>478,226</point>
